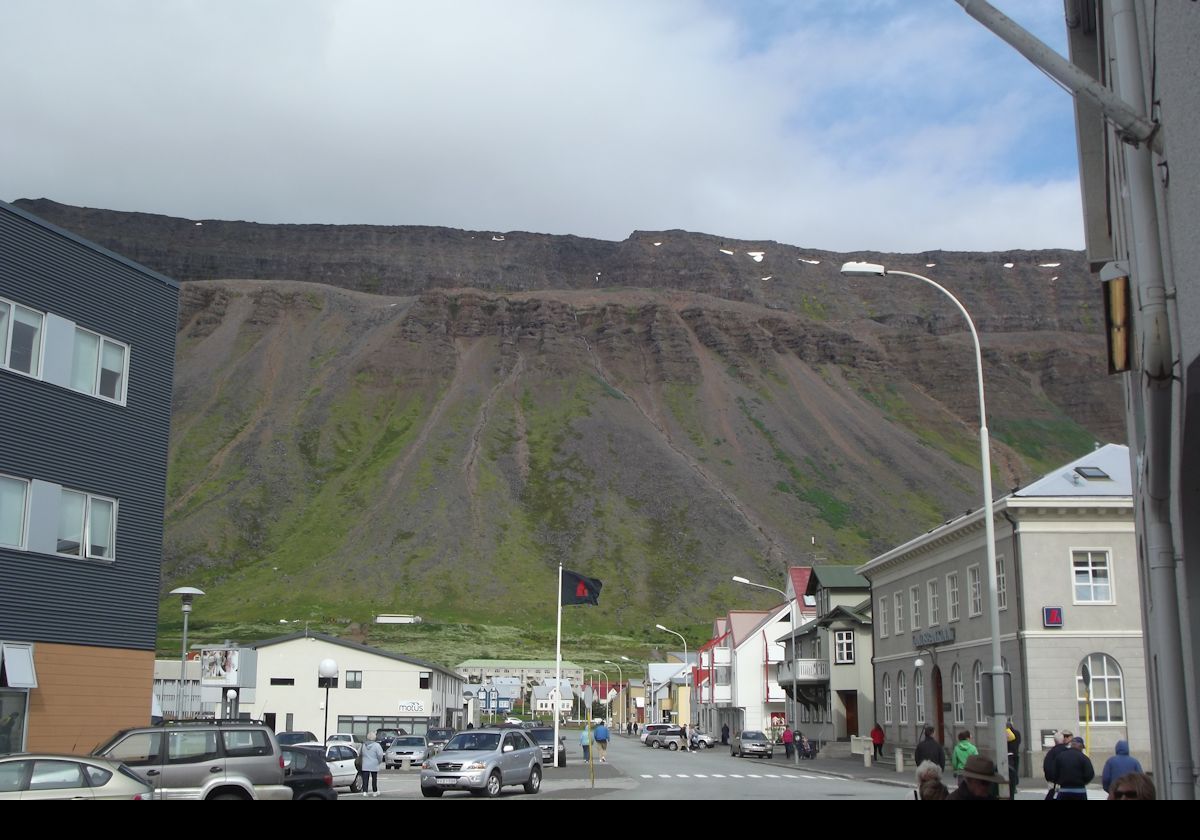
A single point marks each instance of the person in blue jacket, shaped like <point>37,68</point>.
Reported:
<point>601,736</point>
<point>1119,765</point>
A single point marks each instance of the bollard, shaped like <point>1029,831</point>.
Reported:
<point>899,760</point>
<point>867,756</point>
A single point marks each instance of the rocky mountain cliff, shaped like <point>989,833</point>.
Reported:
<point>428,420</point>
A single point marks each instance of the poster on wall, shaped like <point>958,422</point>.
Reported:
<point>778,720</point>
<point>219,666</point>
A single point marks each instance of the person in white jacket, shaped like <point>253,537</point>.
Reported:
<point>372,760</point>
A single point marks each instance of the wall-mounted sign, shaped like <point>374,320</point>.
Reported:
<point>412,706</point>
<point>1052,616</point>
<point>933,636</point>
<point>219,666</point>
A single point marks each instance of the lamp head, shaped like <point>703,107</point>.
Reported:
<point>863,269</point>
<point>327,669</point>
<point>740,579</point>
<point>660,627</point>
<point>920,663</point>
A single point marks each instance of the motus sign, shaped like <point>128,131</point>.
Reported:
<point>412,706</point>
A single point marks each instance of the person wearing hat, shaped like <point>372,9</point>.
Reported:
<point>1072,771</point>
<point>1061,739</point>
<point>979,780</point>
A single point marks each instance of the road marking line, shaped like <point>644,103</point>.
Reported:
<point>718,775</point>
<point>701,776</point>
<point>736,776</point>
<point>772,775</point>
<point>681,775</point>
<point>754,776</point>
<point>647,775</point>
<point>664,775</point>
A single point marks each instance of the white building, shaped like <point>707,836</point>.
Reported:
<point>1069,607</point>
<point>373,689</point>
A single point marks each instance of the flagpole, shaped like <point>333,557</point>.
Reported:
<point>556,693</point>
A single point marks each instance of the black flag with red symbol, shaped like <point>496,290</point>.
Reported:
<point>577,589</point>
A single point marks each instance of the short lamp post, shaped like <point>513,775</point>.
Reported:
<point>187,594</point>
<point>327,671</point>
<point>793,716</point>
<point>607,686</point>
<point>624,694</point>
<point>645,687</point>
<point>999,711</point>
<point>686,670</point>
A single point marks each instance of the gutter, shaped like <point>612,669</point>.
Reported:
<point>1022,644</point>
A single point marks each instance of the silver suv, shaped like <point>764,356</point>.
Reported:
<point>483,761</point>
<point>203,759</point>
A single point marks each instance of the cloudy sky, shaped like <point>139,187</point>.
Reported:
<point>898,125</point>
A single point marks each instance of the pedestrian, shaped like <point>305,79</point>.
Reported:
<point>1072,771</point>
<point>1118,765</point>
<point>963,750</point>
<point>725,734</point>
<point>930,749</point>
<point>929,780</point>
<point>585,742</point>
<point>789,741</point>
<point>601,736</point>
<point>979,779</point>
<point>1013,735</point>
<point>1061,739</point>
<point>372,760</point>
<point>877,738</point>
<point>683,735</point>
<point>1132,786</point>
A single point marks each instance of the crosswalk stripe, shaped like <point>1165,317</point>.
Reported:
<point>647,775</point>
<point>664,775</point>
<point>700,776</point>
<point>754,775</point>
<point>771,775</point>
<point>718,775</point>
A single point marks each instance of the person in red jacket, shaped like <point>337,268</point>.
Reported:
<point>877,740</point>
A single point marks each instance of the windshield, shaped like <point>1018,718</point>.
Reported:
<point>440,733</point>
<point>480,741</point>
<point>409,742</point>
<point>543,736</point>
<point>753,734</point>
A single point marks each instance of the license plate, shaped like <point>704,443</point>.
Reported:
<point>447,782</point>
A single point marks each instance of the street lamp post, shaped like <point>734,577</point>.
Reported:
<point>645,687</point>
<point>607,707</point>
<point>625,694</point>
<point>327,671</point>
<point>792,716</point>
<point>686,668</point>
<point>186,594</point>
<point>998,701</point>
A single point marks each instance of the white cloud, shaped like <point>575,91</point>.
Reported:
<point>890,126</point>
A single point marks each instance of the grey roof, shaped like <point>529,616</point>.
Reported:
<point>838,577</point>
<point>333,640</point>
<point>1112,460</point>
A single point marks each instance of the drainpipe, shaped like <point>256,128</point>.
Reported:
<point>1022,643</point>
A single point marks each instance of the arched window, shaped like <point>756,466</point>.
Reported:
<point>902,696</point>
<point>919,695</point>
<point>956,681</point>
<point>1107,690</point>
<point>980,717</point>
<point>887,698</point>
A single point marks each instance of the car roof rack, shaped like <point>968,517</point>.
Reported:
<point>209,722</point>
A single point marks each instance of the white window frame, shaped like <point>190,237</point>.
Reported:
<point>1001,584</point>
<point>6,350</point>
<point>1108,565</point>
<point>960,701</point>
<point>844,646</point>
<point>934,598</point>
<point>354,679</point>
<point>95,387</point>
<point>974,592</point>
<point>86,549</point>
<point>887,698</point>
<point>883,618</point>
<point>919,694</point>
<point>914,596</point>
<point>22,542</point>
<point>977,677</point>
<point>1105,683</point>
<point>902,696</point>
<point>898,601</point>
<point>952,597</point>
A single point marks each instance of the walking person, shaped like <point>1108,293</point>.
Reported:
<point>683,734</point>
<point>725,734</point>
<point>877,739</point>
<point>1061,739</point>
<point>1118,765</point>
<point>1072,771</point>
<point>602,740</point>
<point>585,743</point>
<point>1014,757</point>
<point>372,760</point>
<point>963,751</point>
<point>930,749</point>
<point>789,741</point>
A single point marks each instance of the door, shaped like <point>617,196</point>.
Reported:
<point>937,703</point>
<point>269,720</point>
<point>850,704</point>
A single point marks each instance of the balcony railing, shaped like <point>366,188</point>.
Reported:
<point>807,671</point>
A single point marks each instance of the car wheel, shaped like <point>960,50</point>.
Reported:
<point>493,784</point>
<point>654,744</point>
<point>700,745</point>
<point>434,792</point>
<point>672,746</point>
<point>535,780</point>
<point>355,786</point>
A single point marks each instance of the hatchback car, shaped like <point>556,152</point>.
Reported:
<point>650,727</point>
<point>202,759</point>
<point>751,742</point>
<point>665,738</point>
<point>286,739</point>
<point>438,736</point>
<point>483,761</point>
<point>27,776</point>
<point>412,749</point>
<point>543,736</point>
<point>306,773</point>
<point>701,740</point>
<point>342,759</point>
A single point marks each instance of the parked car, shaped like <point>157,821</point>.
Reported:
<point>438,736</point>
<point>751,742</point>
<point>411,748</point>
<point>43,776</point>
<point>701,740</point>
<point>665,738</point>
<point>345,738</point>
<point>202,759</point>
<point>483,761</point>
<point>342,759</point>
<point>306,773</point>
<point>385,736</point>
<point>287,739</point>
<point>650,727</point>
<point>543,736</point>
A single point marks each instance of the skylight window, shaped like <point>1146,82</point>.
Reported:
<point>1093,473</point>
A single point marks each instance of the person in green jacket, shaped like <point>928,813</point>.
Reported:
<point>963,750</point>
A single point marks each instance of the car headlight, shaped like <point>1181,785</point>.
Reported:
<point>476,765</point>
